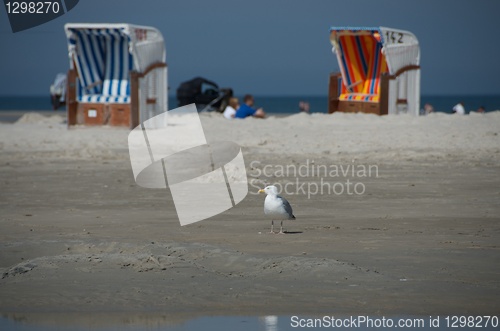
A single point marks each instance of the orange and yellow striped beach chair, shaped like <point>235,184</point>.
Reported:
<point>363,82</point>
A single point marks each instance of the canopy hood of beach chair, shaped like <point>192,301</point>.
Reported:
<point>400,47</point>
<point>145,44</point>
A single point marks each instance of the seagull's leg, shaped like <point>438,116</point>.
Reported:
<point>272,227</point>
<point>281,230</point>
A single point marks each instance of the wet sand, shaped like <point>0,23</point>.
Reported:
<point>79,236</point>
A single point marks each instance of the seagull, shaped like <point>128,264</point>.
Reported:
<point>277,207</point>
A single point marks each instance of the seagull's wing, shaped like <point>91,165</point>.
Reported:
<point>287,207</point>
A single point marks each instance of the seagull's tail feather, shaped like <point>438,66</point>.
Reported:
<point>293,217</point>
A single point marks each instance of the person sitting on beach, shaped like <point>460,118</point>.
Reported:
<point>230,110</point>
<point>459,109</point>
<point>481,109</point>
<point>246,109</point>
<point>428,109</point>
<point>304,107</point>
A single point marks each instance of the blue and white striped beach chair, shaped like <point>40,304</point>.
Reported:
<point>109,65</point>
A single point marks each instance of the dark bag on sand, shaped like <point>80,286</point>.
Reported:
<point>203,92</point>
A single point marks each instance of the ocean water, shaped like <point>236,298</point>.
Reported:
<point>280,104</point>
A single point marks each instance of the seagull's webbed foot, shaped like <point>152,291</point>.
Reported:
<point>272,228</point>
<point>281,229</point>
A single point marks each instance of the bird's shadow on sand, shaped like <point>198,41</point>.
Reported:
<point>292,232</point>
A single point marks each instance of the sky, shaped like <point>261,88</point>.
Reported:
<point>270,47</point>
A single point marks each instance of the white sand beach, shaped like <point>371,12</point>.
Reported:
<point>341,136</point>
<point>78,235</point>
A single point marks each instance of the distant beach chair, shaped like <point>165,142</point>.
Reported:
<point>379,71</point>
<point>117,75</point>
<point>58,91</point>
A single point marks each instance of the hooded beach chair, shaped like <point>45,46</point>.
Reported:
<point>379,71</point>
<point>117,75</point>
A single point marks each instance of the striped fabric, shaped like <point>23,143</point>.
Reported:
<point>377,66</point>
<point>341,87</point>
<point>359,97</point>
<point>354,65</point>
<point>362,64</point>
<point>103,62</point>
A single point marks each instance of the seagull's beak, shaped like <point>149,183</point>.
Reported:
<point>262,191</point>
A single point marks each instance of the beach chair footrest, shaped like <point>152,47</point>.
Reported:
<point>114,114</point>
<point>359,106</point>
